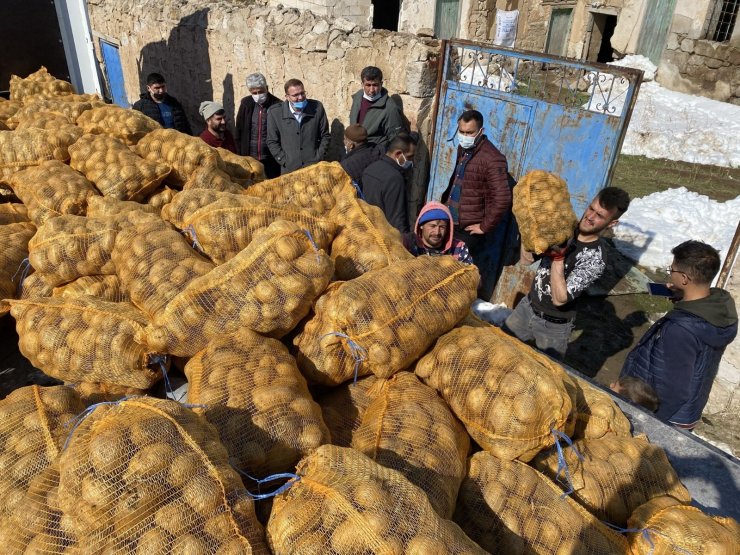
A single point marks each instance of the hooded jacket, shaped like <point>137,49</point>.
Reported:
<point>679,355</point>
<point>453,247</point>
<point>149,108</point>
<point>383,120</point>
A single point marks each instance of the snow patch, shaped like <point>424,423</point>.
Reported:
<point>492,313</point>
<point>636,61</point>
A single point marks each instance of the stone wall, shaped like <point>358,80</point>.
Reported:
<point>357,11</point>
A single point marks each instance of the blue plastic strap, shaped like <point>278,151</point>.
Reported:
<point>23,268</point>
<point>293,478</point>
<point>358,352</point>
<point>562,463</point>
<point>313,244</point>
<point>84,414</point>
<point>190,230</point>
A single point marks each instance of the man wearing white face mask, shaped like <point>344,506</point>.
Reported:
<point>383,183</point>
<point>375,110</point>
<point>478,195</point>
<point>297,130</point>
<point>251,124</point>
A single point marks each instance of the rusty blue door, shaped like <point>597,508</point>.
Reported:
<point>542,112</point>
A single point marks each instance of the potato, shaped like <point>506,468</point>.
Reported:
<point>15,238</point>
<point>128,125</point>
<point>30,147</point>
<point>41,82</point>
<point>183,153</point>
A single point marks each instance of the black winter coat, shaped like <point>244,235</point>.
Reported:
<point>244,121</point>
<point>356,160</point>
<point>149,108</point>
<point>383,185</point>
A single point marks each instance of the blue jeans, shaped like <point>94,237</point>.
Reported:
<point>549,337</point>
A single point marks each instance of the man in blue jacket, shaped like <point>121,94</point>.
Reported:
<point>679,355</point>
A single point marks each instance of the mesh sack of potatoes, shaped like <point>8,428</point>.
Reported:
<point>29,147</point>
<point>409,428</point>
<point>14,239</point>
<point>40,82</point>
<point>253,393</point>
<point>185,203</point>
<point>147,475</point>
<point>614,475</point>
<point>508,507</point>
<point>161,197</point>
<point>33,426</point>
<point>155,263</point>
<point>366,241</point>
<point>38,284</point>
<point>85,339</point>
<point>268,287</point>
<point>211,178</point>
<point>37,524</point>
<point>224,228</point>
<point>127,125</point>
<point>346,504</point>
<point>511,402</point>
<point>8,108</point>
<point>542,208</point>
<point>71,246</point>
<point>182,152</point>
<point>108,207</point>
<point>244,170</point>
<point>54,122</point>
<point>32,112</point>
<point>384,320</point>
<point>51,189</point>
<point>106,288</point>
<point>314,188</point>
<point>664,526</point>
<point>343,407</point>
<point>92,393</point>
<point>595,412</point>
<point>12,213</point>
<point>114,169</point>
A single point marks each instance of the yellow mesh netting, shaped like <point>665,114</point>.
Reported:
<point>268,287</point>
<point>14,239</point>
<point>107,207</point>
<point>508,507</point>
<point>51,189</point>
<point>672,528</point>
<point>29,147</point>
<point>114,169</point>
<point>409,428</point>
<point>596,414</point>
<point>343,408</point>
<point>185,203</point>
<point>85,339</point>
<point>182,152</point>
<point>33,427</point>
<point>59,126</point>
<point>155,263</point>
<point>616,475</point>
<point>107,288</point>
<point>30,111</point>
<point>71,246</point>
<point>127,125</point>
<point>366,241</point>
<point>150,476</point>
<point>346,504</point>
<point>210,178</point>
<point>258,401</point>
<point>95,392</point>
<point>8,108</point>
<point>384,320</point>
<point>161,197</point>
<point>40,82</point>
<point>225,227</point>
<point>542,208</point>
<point>244,170</point>
<point>509,400</point>
<point>38,284</point>
<point>11,213</point>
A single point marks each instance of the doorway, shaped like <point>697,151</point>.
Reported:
<point>446,17</point>
<point>557,35</point>
<point>385,14</point>
<point>600,46</point>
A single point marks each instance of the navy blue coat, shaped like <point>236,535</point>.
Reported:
<point>679,357</point>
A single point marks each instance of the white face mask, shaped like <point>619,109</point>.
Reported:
<point>372,98</point>
<point>466,141</point>
<point>407,164</point>
<point>259,98</point>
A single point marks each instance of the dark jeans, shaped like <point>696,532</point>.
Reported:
<point>272,168</point>
<point>476,245</point>
<point>549,337</point>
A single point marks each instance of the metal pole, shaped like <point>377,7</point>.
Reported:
<point>724,274</point>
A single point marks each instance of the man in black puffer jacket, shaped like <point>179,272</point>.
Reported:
<point>161,107</point>
<point>359,153</point>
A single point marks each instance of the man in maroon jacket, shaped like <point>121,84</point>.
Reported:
<point>478,196</point>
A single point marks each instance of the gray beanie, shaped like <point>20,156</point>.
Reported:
<point>209,107</point>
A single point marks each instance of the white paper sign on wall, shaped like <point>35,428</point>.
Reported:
<point>506,24</point>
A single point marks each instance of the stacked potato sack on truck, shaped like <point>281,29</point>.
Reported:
<point>542,208</point>
<point>209,178</point>
<point>14,238</point>
<point>38,284</point>
<point>512,402</point>
<point>41,83</point>
<point>108,207</point>
<point>183,153</point>
<point>268,287</point>
<point>614,475</point>
<point>150,476</point>
<point>251,390</point>
<point>595,412</point>
<point>344,503</point>
<point>40,111</point>
<point>59,126</point>
<point>129,126</point>
<point>508,507</point>
<point>409,428</point>
<point>7,109</point>
<point>51,189</point>
<point>161,197</point>
<point>114,169</point>
<point>664,526</point>
<point>343,408</point>
<point>85,339</point>
<point>384,320</point>
<point>243,170</point>
<point>30,147</point>
<point>33,428</point>
<point>107,288</point>
<point>185,203</point>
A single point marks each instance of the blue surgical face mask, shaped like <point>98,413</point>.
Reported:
<point>407,164</point>
<point>466,141</point>
<point>300,104</point>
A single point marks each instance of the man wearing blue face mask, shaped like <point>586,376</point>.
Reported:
<point>297,130</point>
<point>375,110</point>
<point>478,195</point>
<point>383,183</point>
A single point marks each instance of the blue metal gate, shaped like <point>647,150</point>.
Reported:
<point>541,111</point>
<point>114,73</point>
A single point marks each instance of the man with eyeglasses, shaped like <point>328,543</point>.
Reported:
<point>679,355</point>
<point>297,130</point>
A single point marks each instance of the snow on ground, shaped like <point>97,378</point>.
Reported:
<point>655,224</point>
<point>492,313</point>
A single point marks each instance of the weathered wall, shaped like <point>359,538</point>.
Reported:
<point>357,11</point>
<point>416,15</point>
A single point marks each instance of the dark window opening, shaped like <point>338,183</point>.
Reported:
<point>385,14</point>
<point>600,46</point>
<point>722,22</point>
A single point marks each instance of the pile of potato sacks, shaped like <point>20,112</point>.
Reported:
<point>341,398</point>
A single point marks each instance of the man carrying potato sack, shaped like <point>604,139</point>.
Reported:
<point>547,314</point>
<point>433,235</point>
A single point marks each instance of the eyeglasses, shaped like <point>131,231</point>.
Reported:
<point>670,271</point>
<point>297,96</point>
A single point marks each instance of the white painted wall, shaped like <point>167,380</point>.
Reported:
<point>78,46</point>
